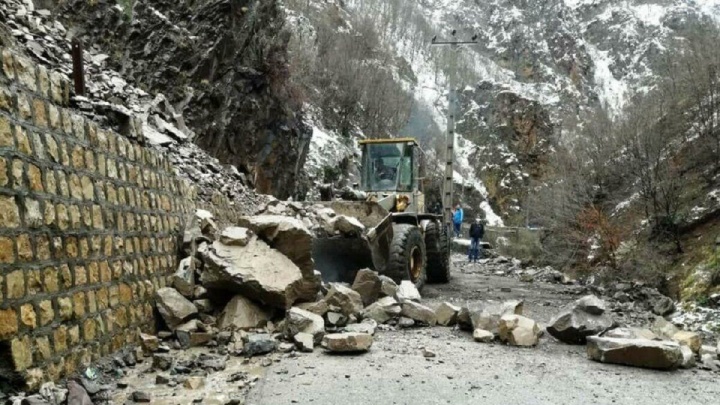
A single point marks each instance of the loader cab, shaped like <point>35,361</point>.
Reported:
<point>390,165</point>
<point>393,166</point>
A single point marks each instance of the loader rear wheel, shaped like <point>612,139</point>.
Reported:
<point>438,261</point>
<point>407,255</point>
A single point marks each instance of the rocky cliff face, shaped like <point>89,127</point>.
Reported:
<point>222,64</point>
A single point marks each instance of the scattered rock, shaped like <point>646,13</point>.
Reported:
<point>194,383</point>
<point>304,342</point>
<point>141,397</point>
<point>447,314</point>
<point>690,339</point>
<point>663,328</point>
<point>428,354</point>
<point>518,330</point>
<point>663,305</point>
<point>688,357</point>
<point>149,343</point>
<point>347,299</point>
<point>235,236</point>
<point>644,353</point>
<point>348,226</point>
<point>257,272</point>
<point>184,278</point>
<point>317,308</point>
<point>301,321</point>
<point>241,313</point>
<point>336,319</point>
<point>347,342</point>
<point>407,292</point>
<point>483,336</point>
<point>383,310</point>
<point>388,287</point>
<point>173,307</point>
<point>368,326</point>
<point>53,394</point>
<point>419,313</point>
<point>258,344</point>
<point>631,333</point>
<point>368,285</point>
<point>487,315</point>
<point>405,323</point>
<point>77,394</point>
<point>585,317</point>
<point>162,361</point>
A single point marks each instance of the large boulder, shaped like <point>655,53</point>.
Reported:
<point>256,271</point>
<point>486,315</point>
<point>518,330</point>
<point>301,321</point>
<point>585,317</point>
<point>688,357</point>
<point>347,342</point>
<point>388,287</point>
<point>184,278</point>
<point>286,234</point>
<point>419,313</point>
<point>258,344</point>
<point>348,300</point>
<point>661,355</point>
<point>663,328</point>
<point>693,340</point>
<point>447,314</point>
<point>235,236</point>
<point>631,333</point>
<point>173,307</point>
<point>368,285</point>
<point>241,313</point>
<point>383,310</point>
<point>407,292</point>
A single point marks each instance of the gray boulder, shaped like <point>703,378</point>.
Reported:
<point>347,299</point>
<point>257,272</point>
<point>388,287</point>
<point>368,326</point>
<point>258,344</point>
<point>419,313</point>
<point>347,342</point>
<point>368,285</point>
<point>631,333</point>
<point>585,317</point>
<point>301,321</point>
<point>661,355</point>
<point>383,310</point>
<point>663,328</point>
<point>407,292</point>
<point>447,314</point>
<point>235,236</point>
<point>184,278</point>
<point>517,330</point>
<point>486,315</point>
<point>241,313</point>
<point>173,307</point>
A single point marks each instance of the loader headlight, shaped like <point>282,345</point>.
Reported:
<point>401,203</point>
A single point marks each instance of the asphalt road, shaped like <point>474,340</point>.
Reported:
<point>464,372</point>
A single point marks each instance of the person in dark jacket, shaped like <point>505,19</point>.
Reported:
<point>477,231</point>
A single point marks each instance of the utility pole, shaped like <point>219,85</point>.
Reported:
<point>448,185</point>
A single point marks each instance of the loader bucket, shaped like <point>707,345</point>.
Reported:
<point>338,258</point>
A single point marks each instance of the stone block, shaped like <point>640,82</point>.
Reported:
<point>47,314</point>
<point>21,350</point>
<point>23,108</point>
<point>89,330</point>
<point>79,305</point>
<point>60,339</point>
<point>9,213</point>
<point>24,248</point>
<point>33,283</point>
<point>43,81</point>
<point>25,71</point>
<point>7,64</point>
<point>53,115</point>
<point>50,280</point>
<point>65,308</point>
<point>7,250</point>
<point>7,100</point>
<point>15,284</point>
<point>8,323</point>
<point>43,352</point>
<point>80,271</point>
<point>4,179</point>
<point>35,178</point>
<point>42,247</point>
<point>27,316</point>
<point>56,90</point>
<point>6,133</point>
<point>33,215</point>
<point>74,335</point>
<point>18,178</point>
<point>39,113</point>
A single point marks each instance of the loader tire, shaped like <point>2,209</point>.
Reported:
<point>438,260</point>
<point>407,255</point>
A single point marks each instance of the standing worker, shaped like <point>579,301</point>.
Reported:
<point>477,231</point>
<point>458,216</point>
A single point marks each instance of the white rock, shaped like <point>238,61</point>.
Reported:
<point>518,330</point>
<point>407,292</point>
<point>419,313</point>
<point>483,336</point>
<point>447,314</point>
<point>241,313</point>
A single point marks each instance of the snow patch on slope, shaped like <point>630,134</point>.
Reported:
<point>612,92</point>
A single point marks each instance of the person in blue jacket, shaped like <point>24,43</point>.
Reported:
<point>458,217</point>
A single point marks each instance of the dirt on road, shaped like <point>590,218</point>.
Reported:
<point>397,369</point>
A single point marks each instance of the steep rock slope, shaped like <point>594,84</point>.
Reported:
<point>222,64</point>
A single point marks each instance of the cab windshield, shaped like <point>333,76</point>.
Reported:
<point>388,167</point>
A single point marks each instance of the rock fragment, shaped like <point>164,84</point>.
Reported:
<point>241,313</point>
<point>301,321</point>
<point>692,340</point>
<point>388,287</point>
<point>368,284</point>
<point>304,342</point>
<point>347,342</point>
<point>383,310</point>
<point>258,344</point>
<point>184,278</point>
<point>447,314</point>
<point>173,307</point>
<point>661,355</point>
<point>585,317</point>
<point>347,299</point>
<point>407,292</point>
<point>419,313</point>
<point>518,330</point>
<point>483,336</point>
<point>235,236</point>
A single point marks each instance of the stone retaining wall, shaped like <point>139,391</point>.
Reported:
<point>89,227</point>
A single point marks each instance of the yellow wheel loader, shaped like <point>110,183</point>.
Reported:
<point>401,239</point>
